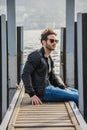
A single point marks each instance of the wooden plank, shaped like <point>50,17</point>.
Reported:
<point>45,116</point>
<point>25,125</point>
<point>72,116</point>
<point>43,121</point>
<point>16,110</point>
<point>52,117</point>
<point>49,116</point>
<point>78,115</point>
<point>51,128</point>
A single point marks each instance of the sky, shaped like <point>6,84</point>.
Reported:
<point>43,11</point>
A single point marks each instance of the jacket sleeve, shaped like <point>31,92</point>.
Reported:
<point>32,62</point>
<point>56,80</point>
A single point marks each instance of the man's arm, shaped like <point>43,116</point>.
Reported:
<point>32,62</point>
<point>56,80</point>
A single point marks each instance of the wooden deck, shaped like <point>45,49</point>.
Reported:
<point>49,116</point>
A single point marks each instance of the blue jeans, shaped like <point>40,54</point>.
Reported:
<point>52,93</point>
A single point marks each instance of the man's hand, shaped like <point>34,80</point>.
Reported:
<point>68,90</point>
<point>36,100</point>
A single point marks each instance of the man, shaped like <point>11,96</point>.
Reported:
<point>39,78</point>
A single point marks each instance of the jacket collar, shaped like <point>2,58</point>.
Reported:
<point>43,54</point>
<point>42,51</point>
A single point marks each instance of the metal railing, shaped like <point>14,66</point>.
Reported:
<point>11,107</point>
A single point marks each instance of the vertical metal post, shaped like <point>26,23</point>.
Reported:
<point>63,54</point>
<point>19,52</point>
<point>7,66</point>
<point>3,67</point>
<point>22,48</point>
<point>0,75</point>
<point>82,62</point>
<point>70,42</point>
<point>12,44</point>
<point>75,57</point>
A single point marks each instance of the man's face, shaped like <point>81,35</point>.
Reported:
<point>51,42</point>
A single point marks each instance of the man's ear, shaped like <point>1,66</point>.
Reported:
<point>43,42</point>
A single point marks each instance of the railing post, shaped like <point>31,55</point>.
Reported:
<point>12,43</point>
<point>70,42</point>
<point>82,62</point>
<point>63,54</point>
<point>3,67</point>
<point>7,66</point>
<point>75,57</point>
<point>19,52</point>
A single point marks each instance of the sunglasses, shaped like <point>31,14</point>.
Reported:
<point>53,40</point>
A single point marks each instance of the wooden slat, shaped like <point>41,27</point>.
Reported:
<point>51,128</point>
<point>42,124</point>
<point>49,116</point>
<point>43,121</point>
<point>16,110</point>
<point>72,117</point>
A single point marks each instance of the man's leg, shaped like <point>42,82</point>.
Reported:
<point>56,94</point>
<point>73,89</point>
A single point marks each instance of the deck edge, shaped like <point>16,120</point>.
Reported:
<point>78,115</point>
<point>10,109</point>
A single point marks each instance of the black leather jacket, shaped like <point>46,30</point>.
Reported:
<point>36,76</point>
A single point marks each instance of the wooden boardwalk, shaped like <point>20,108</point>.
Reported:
<point>49,116</point>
